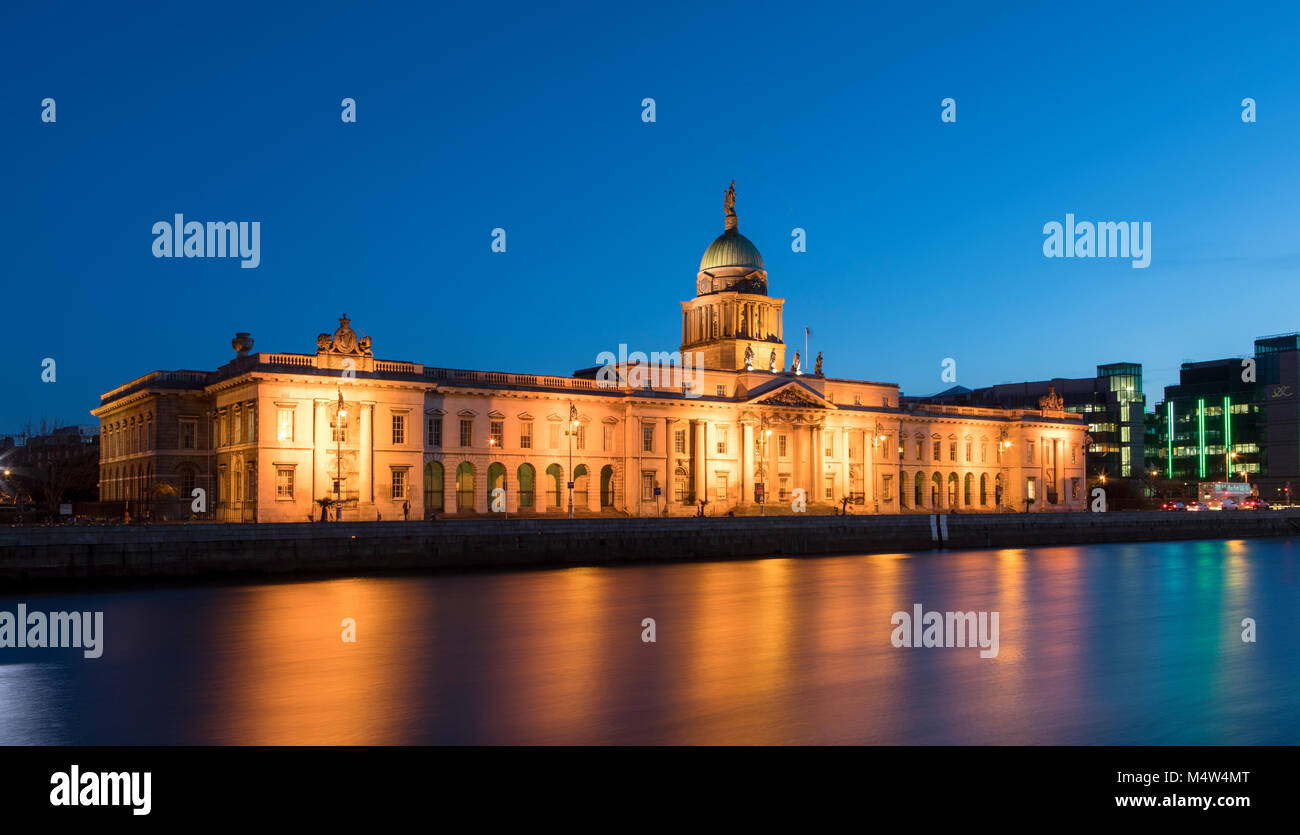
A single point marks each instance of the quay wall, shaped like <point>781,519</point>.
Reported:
<point>46,554</point>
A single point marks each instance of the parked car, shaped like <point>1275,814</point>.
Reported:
<point>1172,505</point>
<point>1196,506</point>
<point>1254,503</point>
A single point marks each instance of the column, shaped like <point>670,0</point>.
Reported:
<point>323,455</point>
<point>669,479</point>
<point>818,434</point>
<point>746,463</point>
<point>365,480</point>
<point>701,461</point>
<point>799,472</point>
<point>593,479</point>
<point>448,485</point>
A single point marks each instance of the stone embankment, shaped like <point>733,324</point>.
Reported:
<point>45,555</point>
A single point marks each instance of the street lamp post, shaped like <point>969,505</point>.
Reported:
<point>572,430</point>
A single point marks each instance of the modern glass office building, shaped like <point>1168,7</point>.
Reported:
<point>1233,419</point>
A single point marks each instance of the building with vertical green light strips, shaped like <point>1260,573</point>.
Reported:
<point>1233,419</point>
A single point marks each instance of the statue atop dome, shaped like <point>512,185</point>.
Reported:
<point>729,203</point>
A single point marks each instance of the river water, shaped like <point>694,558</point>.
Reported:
<point>1105,644</point>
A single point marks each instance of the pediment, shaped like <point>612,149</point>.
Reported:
<point>793,394</point>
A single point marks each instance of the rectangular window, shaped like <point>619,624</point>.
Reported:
<point>781,446</point>
<point>679,441</point>
<point>607,438</point>
<point>722,444</point>
<point>1073,453</point>
<point>467,432</point>
<point>580,442</point>
<point>526,434</point>
<point>952,450</point>
<point>830,445</point>
<point>339,427</point>
<point>830,488</point>
<point>720,487</point>
<point>435,431</point>
<point>399,430</point>
<point>1074,488</point>
<point>938,451</point>
<point>236,428</point>
<point>250,415</point>
<point>722,391</point>
<point>647,437</point>
<point>1029,489</point>
<point>920,446</point>
<point>1029,452</point>
<point>970,446</point>
<point>497,433</point>
<point>284,482</point>
<point>647,486</point>
<point>284,425</point>
<point>857,400</point>
<point>555,435</point>
<point>399,483</point>
<point>887,488</point>
<point>984,451</point>
<point>189,434</point>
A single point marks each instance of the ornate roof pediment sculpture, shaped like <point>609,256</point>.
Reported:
<point>345,341</point>
<point>1051,402</point>
<point>791,396</point>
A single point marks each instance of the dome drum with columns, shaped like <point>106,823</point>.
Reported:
<point>732,313</point>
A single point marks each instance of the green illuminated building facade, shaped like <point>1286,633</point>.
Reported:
<point>1235,419</point>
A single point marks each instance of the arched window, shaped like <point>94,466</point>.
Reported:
<point>433,487</point>
<point>580,486</point>
<point>465,486</point>
<point>525,476</point>
<point>984,489</point>
<point>970,487</point>
<point>936,491</point>
<point>681,486</point>
<point>919,492</point>
<point>496,475</point>
<point>555,484</point>
<point>902,489</point>
<point>997,490</point>
<point>607,486</point>
<point>952,490</point>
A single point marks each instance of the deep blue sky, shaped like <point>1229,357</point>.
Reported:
<point>924,239</point>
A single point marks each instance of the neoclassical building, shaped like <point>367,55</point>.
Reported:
<point>726,420</point>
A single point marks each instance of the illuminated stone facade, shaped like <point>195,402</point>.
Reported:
<point>263,437</point>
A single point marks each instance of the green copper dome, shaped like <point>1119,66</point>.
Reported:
<point>731,249</point>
